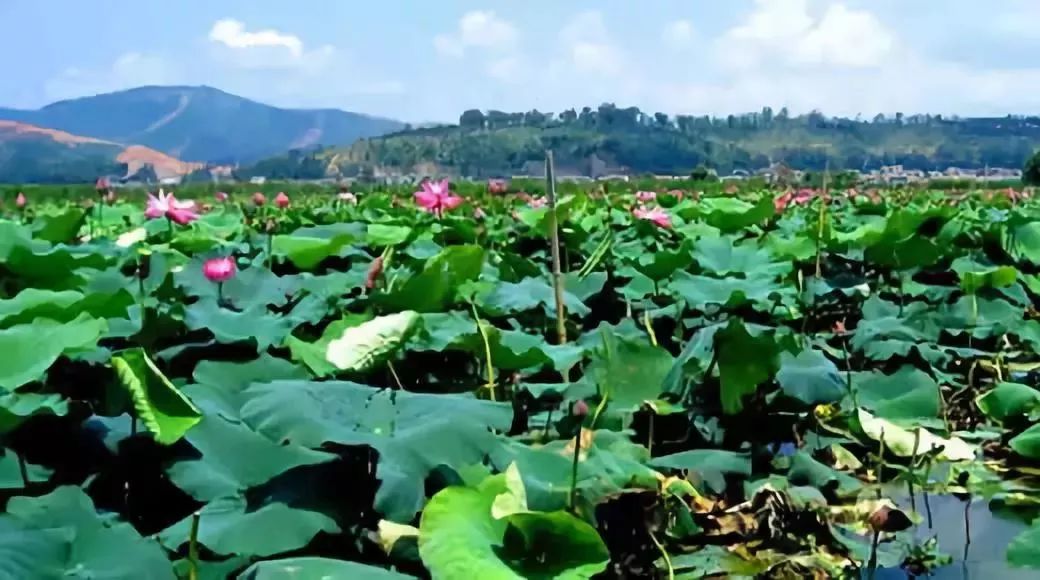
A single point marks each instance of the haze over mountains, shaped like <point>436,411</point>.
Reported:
<point>193,124</point>
<point>158,132</point>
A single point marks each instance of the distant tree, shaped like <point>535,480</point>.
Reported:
<point>569,116</point>
<point>472,118</point>
<point>661,119</point>
<point>702,173</point>
<point>1031,172</point>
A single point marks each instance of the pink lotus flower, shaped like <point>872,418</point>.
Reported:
<point>375,270</point>
<point>655,214</point>
<point>644,196</point>
<point>497,186</point>
<point>347,197</point>
<point>259,199</point>
<point>678,193</point>
<point>281,200</point>
<point>20,201</point>
<point>102,185</point>
<point>220,196</point>
<point>478,214</point>
<point>180,212</point>
<point>110,197</point>
<point>781,201</point>
<point>219,269</point>
<point>538,202</point>
<point>435,197</point>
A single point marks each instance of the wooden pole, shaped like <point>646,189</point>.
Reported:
<point>554,227</point>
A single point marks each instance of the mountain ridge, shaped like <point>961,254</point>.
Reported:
<point>201,122</point>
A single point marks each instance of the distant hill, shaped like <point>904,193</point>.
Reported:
<point>612,140</point>
<point>31,154</point>
<point>201,123</point>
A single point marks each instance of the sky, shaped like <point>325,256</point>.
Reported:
<point>426,60</point>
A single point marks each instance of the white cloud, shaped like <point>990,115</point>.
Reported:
<point>679,34</point>
<point>509,69</point>
<point>786,32</point>
<point>587,46</point>
<point>233,34</point>
<point>267,49</point>
<point>477,29</point>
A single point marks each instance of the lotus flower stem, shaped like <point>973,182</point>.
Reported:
<point>23,470</point>
<point>664,555</point>
<point>487,352</point>
<point>574,470</point>
<point>649,327</point>
<point>554,229</point>
<point>880,461</point>
<point>822,221</point>
<point>393,373</point>
<point>193,547</point>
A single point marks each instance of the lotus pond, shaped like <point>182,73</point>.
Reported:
<point>745,386</point>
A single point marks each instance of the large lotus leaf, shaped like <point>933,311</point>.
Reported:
<point>982,318</point>
<point>58,227</point>
<point>515,350</point>
<point>901,441</point>
<point>656,265</point>
<point>745,360</point>
<point>60,535</point>
<point>252,287</point>
<point>710,464</point>
<point>584,287</point>
<point>30,349</point>
<point>629,372</point>
<point>234,458</point>
<point>11,471</point>
<point>56,268</point>
<point>1024,550</point>
<point>975,276</point>
<point>540,219</point>
<point>906,396</point>
<point>807,471</point>
<point>459,536</point>
<point>160,406</point>
<point>413,433</point>
<point>1027,443</point>
<point>62,306</point>
<point>1024,243</point>
<point>698,291</point>
<point>724,255</point>
<point>366,345</point>
<point>255,325</point>
<point>698,352</point>
<point>912,252</point>
<point>810,377</point>
<point>433,289</point>
<point>219,384</point>
<point>1008,401</point>
<point>312,354</point>
<point>529,294</point>
<point>611,464</point>
<point>730,214</point>
<point>386,235</point>
<point>230,525</point>
<point>17,407</point>
<point>307,252</point>
<point>318,568</point>
<point>439,331</point>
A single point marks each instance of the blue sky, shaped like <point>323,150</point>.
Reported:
<point>422,60</point>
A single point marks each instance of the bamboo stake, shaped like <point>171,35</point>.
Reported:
<point>550,189</point>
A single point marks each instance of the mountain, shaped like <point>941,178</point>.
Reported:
<point>201,123</point>
<point>610,139</point>
<point>31,154</point>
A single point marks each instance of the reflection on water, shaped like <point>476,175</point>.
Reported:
<point>990,535</point>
